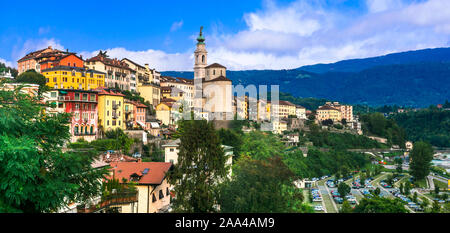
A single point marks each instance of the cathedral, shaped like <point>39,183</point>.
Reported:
<point>213,94</point>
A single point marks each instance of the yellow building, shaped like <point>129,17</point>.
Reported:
<point>164,111</point>
<point>110,110</point>
<point>64,77</point>
<point>264,108</point>
<point>283,109</point>
<point>326,112</point>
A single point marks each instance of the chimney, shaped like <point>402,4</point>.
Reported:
<point>50,47</point>
<point>146,66</point>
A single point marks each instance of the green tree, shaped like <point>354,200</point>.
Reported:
<point>377,191</point>
<point>201,166</point>
<point>33,77</point>
<point>380,205</point>
<point>35,174</point>
<point>343,189</point>
<point>231,138</point>
<point>407,188</point>
<point>399,163</point>
<point>346,207</point>
<point>424,203</point>
<point>436,190</point>
<point>261,186</point>
<point>421,157</point>
<point>436,208</point>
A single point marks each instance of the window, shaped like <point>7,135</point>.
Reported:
<point>77,96</point>
<point>171,149</point>
<point>167,191</point>
<point>161,194</point>
<point>153,198</point>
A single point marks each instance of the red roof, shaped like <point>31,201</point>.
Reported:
<point>155,174</point>
<point>102,91</point>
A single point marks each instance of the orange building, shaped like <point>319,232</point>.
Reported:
<point>51,60</point>
<point>29,62</point>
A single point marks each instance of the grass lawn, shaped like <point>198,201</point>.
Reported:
<point>441,185</point>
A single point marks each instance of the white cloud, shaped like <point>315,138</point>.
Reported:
<point>176,26</point>
<point>155,58</point>
<point>33,45</point>
<point>376,6</point>
<point>8,63</point>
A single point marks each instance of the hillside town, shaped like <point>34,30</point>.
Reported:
<point>107,96</point>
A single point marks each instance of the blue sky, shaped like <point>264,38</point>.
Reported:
<point>244,34</point>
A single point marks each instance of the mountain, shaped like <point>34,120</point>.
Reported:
<point>422,79</point>
<point>356,65</point>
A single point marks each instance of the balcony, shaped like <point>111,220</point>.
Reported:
<point>111,200</point>
<point>84,134</point>
<point>73,99</point>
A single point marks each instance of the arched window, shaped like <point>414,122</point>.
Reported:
<point>92,130</point>
<point>75,130</point>
<point>203,58</point>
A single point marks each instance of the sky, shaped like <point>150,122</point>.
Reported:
<point>240,34</point>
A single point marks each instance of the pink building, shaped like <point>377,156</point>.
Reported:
<point>83,107</point>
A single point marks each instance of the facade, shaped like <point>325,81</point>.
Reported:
<point>171,151</point>
<point>279,126</point>
<point>82,105</point>
<point>65,77</point>
<point>240,107</point>
<point>327,112</point>
<point>151,183</point>
<point>110,110</point>
<point>164,111</point>
<point>181,88</point>
<point>134,114</point>
<point>118,73</point>
<point>284,109</point>
<point>346,111</point>
<point>300,111</point>
<point>55,59</point>
<point>264,110</point>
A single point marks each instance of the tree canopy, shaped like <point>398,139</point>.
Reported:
<point>200,168</point>
<point>35,174</point>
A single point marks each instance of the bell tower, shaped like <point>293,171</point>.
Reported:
<point>200,56</point>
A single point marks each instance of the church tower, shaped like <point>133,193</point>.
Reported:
<point>200,56</point>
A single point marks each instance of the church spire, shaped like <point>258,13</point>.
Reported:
<point>200,38</point>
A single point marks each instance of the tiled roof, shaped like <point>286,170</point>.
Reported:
<point>108,61</point>
<point>156,171</point>
<point>70,68</point>
<point>221,78</point>
<point>215,65</point>
<point>34,54</point>
<point>177,80</point>
<point>102,91</point>
<point>325,107</point>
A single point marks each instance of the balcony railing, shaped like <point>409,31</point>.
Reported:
<point>84,134</point>
<point>111,200</point>
<point>70,98</point>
